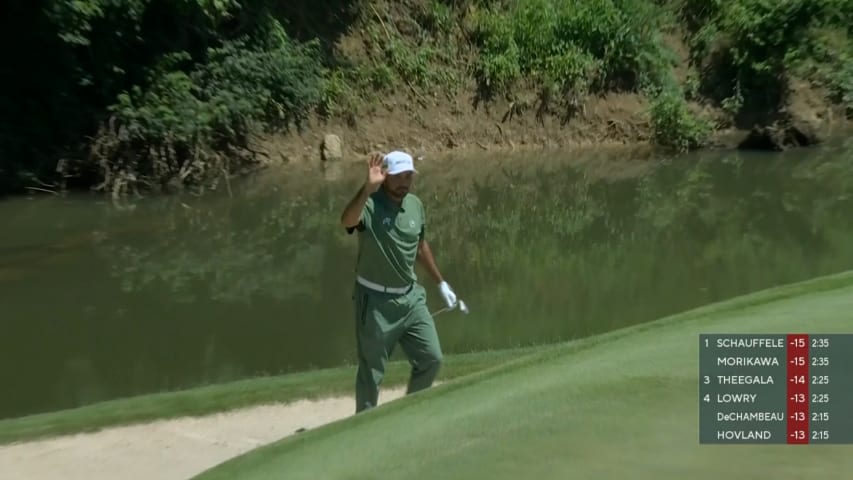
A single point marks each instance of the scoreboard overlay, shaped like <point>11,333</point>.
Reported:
<point>776,389</point>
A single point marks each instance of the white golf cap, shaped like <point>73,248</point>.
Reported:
<point>399,162</point>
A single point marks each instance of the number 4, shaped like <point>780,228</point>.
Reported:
<point>707,397</point>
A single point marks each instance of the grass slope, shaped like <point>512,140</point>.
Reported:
<point>622,405</point>
<point>232,395</point>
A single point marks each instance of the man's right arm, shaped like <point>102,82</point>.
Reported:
<point>351,217</point>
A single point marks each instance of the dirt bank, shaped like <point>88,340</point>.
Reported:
<point>460,126</point>
<point>614,119</point>
<point>442,116</point>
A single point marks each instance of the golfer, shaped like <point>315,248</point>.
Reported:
<point>390,304</point>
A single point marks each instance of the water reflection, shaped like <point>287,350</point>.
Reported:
<point>101,303</point>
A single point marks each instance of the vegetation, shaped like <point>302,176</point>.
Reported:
<point>572,48</point>
<point>753,48</point>
<point>133,95</point>
<point>168,91</point>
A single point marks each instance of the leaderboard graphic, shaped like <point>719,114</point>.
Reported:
<point>776,389</point>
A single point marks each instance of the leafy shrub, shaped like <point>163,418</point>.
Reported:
<point>595,45</point>
<point>500,57</point>
<point>437,16</point>
<point>826,57</point>
<point>756,44</point>
<point>762,32</point>
<point>159,85</point>
<point>674,125</point>
<point>421,64</point>
<point>187,127</point>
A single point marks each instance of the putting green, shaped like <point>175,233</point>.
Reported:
<point>622,405</point>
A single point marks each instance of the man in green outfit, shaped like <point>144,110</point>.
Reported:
<point>390,304</point>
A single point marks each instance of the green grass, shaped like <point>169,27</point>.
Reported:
<point>232,395</point>
<point>619,405</point>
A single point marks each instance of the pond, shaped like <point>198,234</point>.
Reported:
<point>100,302</point>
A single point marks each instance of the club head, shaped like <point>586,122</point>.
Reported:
<point>462,307</point>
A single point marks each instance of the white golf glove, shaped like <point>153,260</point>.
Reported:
<point>448,294</point>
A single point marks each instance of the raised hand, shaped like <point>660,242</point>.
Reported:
<point>376,172</point>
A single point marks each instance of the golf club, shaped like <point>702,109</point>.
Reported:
<point>461,304</point>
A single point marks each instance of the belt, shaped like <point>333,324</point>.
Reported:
<point>382,288</point>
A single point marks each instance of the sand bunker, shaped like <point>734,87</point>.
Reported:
<point>174,449</point>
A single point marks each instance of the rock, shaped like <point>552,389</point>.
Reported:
<point>808,129</point>
<point>331,149</point>
<point>780,136</point>
<point>804,120</point>
<point>760,138</point>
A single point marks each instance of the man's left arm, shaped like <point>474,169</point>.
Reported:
<point>425,256</point>
<point>426,259</point>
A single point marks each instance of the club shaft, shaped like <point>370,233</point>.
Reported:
<point>446,309</point>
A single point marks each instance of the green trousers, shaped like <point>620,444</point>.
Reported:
<point>382,321</point>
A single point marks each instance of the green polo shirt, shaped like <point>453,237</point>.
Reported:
<point>388,239</point>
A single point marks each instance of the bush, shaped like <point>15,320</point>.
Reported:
<point>187,127</point>
<point>161,86</point>
<point>500,57</point>
<point>826,57</point>
<point>674,125</point>
<point>584,45</point>
<point>755,44</point>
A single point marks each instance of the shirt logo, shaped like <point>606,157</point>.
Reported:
<point>386,221</point>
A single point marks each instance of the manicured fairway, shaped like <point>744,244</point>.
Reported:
<point>622,405</point>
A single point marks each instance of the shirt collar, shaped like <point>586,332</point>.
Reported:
<point>384,198</point>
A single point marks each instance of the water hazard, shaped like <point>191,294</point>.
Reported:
<point>100,302</point>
